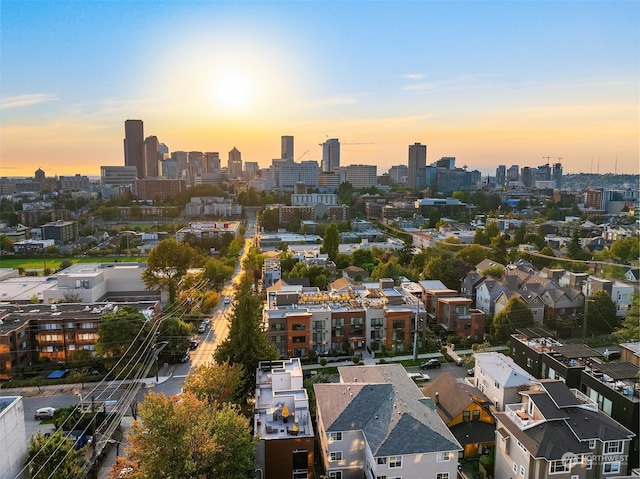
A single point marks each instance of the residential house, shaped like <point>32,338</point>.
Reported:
<point>282,421</point>
<point>466,411</point>
<point>499,378</point>
<point>468,285</point>
<point>558,432</point>
<point>487,292</point>
<point>566,303</point>
<point>621,293</point>
<point>532,300</point>
<point>455,316</point>
<point>355,273</point>
<point>376,423</point>
<point>630,352</point>
<point>633,275</point>
<point>486,264</point>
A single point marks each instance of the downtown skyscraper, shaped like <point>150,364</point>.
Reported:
<point>134,148</point>
<point>330,155</point>
<point>417,165</point>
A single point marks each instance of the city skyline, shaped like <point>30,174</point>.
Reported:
<point>489,83</point>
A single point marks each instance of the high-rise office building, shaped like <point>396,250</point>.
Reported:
<point>513,174</point>
<point>211,161</point>
<point>417,165</point>
<point>287,148</point>
<point>501,175</point>
<point>134,146</point>
<point>234,164</point>
<point>399,173</point>
<point>527,176</point>
<point>557,175</point>
<point>543,173</point>
<point>360,176</point>
<point>181,159</point>
<point>331,155</point>
<point>152,156</point>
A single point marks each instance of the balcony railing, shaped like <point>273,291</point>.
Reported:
<point>519,415</point>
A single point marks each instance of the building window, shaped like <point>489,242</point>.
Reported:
<point>298,339</point>
<point>335,436</point>
<point>376,322</point>
<point>335,474</point>
<point>444,456</point>
<point>496,384</point>
<point>522,470</point>
<point>442,475</point>
<point>613,447</point>
<point>589,463</point>
<point>382,460</point>
<point>592,443</point>
<point>466,415</point>
<point>356,321</point>
<point>398,324</point>
<point>476,415</point>
<point>337,322</point>
<point>611,467</point>
<point>529,362</point>
<point>521,446</point>
<point>395,461</point>
<point>335,456</point>
<point>557,467</point>
<point>299,327</point>
<point>515,468</point>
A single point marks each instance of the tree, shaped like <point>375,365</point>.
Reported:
<point>167,263</point>
<point>54,456</point>
<point>364,258</point>
<point>181,437</point>
<point>630,329</point>
<point>269,220</point>
<point>601,313</point>
<point>495,271</point>
<point>117,331</point>
<point>574,248</point>
<point>480,237</point>
<point>473,254</point>
<point>215,383</point>
<point>6,244</point>
<point>492,229</point>
<point>217,272</point>
<point>247,343</point>
<point>176,333</point>
<point>499,245</point>
<point>516,314</point>
<point>447,269</point>
<point>331,241</point>
<point>626,249</point>
<point>520,234</point>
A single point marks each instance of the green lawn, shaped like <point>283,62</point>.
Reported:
<point>30,264</point>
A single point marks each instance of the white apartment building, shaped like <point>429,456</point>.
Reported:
<point>13,437</point>
<point>360,176</point>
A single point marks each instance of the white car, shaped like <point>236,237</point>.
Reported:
<point>227,300</point>
<point>45,413</point>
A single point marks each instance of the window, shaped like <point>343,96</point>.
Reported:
<point>444,456</point>
<point>279,339</point>
<point>335,456</point>
<point>521,446</point>
<point>592,443</point>
<point>476,415</point>
<point>496,384</point>
<point>376,322</point>
<point>395,461</point>
<point>338,332</point>
<point>337,322</point>
<point>398,324</point>
<point>515,468</point>
<point>298,339</point>
<point>398,336</point>
<point>376,335</point>
<point>466,415</point>
<point>442,475</point>
<point>556,467</point>
<point>589,463</point>
<point>299,327</point>
<point>522,470</point>
<point>318,325</point>
<point>611,467</point>
<point>277,327</point>
<point>382,460</point>
<point>335,436</point>
<point>613,447</point>
<point>319,337</point>
<point>529,362</point>
<point>335,474</point>
<point>575,476</point>
<point>356,321</point>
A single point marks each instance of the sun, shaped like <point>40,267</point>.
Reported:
<point>234,90</point>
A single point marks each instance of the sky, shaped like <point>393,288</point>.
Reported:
<point>488,82</point>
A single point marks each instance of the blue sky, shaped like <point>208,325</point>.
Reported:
<point>488,82</point>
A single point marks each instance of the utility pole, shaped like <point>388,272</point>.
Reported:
<point>415,331</point>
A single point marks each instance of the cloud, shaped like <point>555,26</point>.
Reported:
<point>414,76</point>
<point>26,100</point>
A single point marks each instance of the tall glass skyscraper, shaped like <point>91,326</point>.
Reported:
<point>417,165</point>
<point>331,155</point>
<point>134,146</point>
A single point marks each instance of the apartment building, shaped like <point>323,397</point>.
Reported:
<point>499,378</point>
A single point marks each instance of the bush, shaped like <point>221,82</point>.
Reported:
<point>323,362</point>
<point>356,359</point>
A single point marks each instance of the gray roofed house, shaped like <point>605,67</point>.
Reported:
<point>376,419</point>
<point>559,432</point>
<point>499,378</point>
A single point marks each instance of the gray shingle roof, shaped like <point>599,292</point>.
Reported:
<point>387,406</point>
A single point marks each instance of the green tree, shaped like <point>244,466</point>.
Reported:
<point>601,313</point>
<point>630,329</point>
<point>215,383</point>
<point>516,314</point>
<point>331,241</point>
<point>519,234</point>
<point>181,437</point>
<point>473,254</point>
<point>480,237</point>
<point>167,263</point>
<point>499,245</point>
<point>492,229</point>
<point>247,343</point>
<point>217,272</point>
<point>626,249</point>
<point>176,333</point>
<point>574,248</point>
<point>269,220</point>
<point>117,331</point>
<point>495,271</point>
<point>364,258</point>
<point>6,245</point>
<point>447,269</point>
<point>54,456</point>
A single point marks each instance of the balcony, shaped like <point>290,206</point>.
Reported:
<point>518,414</point>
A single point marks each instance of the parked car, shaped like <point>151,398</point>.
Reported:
<point>185,357</point>
<point>201,328</point>
<point>193,345</point>
<point>431,363</point>
<point>80,438</point>
<point>45,413</point>
<point>471,372</point>
<point>611,354</point>
<point>460,361</point>
<point>227,300</point>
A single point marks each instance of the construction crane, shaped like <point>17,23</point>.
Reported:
<point>300,157</point>
<point>551,158</point>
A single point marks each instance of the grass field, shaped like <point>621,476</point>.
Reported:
<point>30,264</point>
